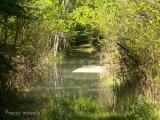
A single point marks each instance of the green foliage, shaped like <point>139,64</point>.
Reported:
<point>85,106</point>
<point>135,30</point>
<point>67,107</point>
<point>83,15</point>
<point>137,110</point>
<point>137,35</point>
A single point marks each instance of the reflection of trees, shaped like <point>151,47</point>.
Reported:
<point>55,74</point>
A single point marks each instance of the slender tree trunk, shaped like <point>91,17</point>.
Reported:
<point>16,31</point>
<point>56,44</point>
<point>50,41</point>
<point>64,4</point>
<point>58,35</point>
<point>64,42</point>
<point>55,75</point>
<point>5,27</point>
<point>1,31</point>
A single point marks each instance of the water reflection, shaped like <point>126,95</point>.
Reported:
<point>63,95</point>
<point>59,78</point>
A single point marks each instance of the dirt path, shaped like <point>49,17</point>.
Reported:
<point>84,51</point>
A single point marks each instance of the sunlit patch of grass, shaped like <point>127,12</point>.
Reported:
<point>89,50</point>
<point>87,107</point>
<point>85,48</point>
<point>107,80</point>
<point>158,113</point>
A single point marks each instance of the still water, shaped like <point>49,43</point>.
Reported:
<point>63,95</point>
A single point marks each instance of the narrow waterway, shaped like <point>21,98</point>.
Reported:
<point>61,94</point>
<point>75,90</point>
<point>59,77</point>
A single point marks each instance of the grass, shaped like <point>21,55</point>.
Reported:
<point>107,80</point>
<point>81,52</point>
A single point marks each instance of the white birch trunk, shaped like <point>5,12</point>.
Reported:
<point>57,35</point>
<point>55,75</point>
<point>56,43</point>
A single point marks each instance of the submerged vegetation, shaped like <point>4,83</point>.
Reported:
<point>36,35</point>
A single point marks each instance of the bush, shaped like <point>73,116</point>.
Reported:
<point>139,110</point>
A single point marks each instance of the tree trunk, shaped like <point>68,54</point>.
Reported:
<point>5,27</point>
<point>16,31</point>
<point>56,44</point>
